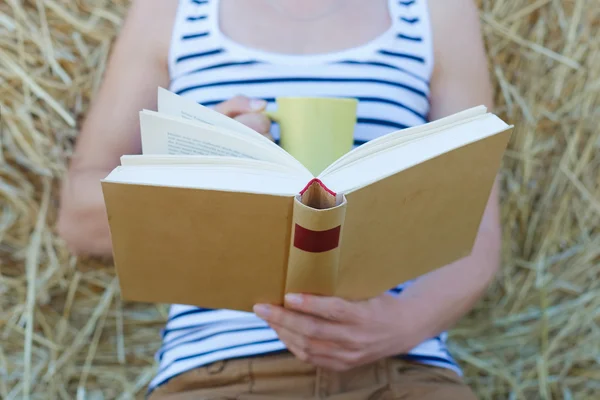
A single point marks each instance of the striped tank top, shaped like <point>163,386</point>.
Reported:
<point>389,76</point>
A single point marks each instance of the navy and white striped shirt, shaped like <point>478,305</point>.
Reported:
<point>388,75</point>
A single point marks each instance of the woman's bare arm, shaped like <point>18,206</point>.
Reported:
<point>136,67</point>
<point>461,80</point>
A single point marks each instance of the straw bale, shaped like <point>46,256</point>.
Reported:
<point>65,333</point>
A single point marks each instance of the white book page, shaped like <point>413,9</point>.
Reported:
<point>257,165</point>
<point>210,177</point>
<point>178,106</point>
<point>405,135</point>
<point>382,164</point>
<point>172,104</point>
<point>167,135</point>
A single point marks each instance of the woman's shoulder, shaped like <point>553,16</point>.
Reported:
<point>452,16</point>
<point>460,77</point>
<point>148,26</point>
<point>455,27</point>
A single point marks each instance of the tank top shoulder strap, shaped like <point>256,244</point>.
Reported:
<point>412,24</point>
<point>192,33</point>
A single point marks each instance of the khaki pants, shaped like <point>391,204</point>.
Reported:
<point>282,376</point>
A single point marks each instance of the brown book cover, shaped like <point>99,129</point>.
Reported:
<point>227,249</point>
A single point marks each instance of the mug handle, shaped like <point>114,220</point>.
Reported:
<point>272,115</point>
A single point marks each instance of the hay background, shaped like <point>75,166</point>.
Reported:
<point>64,333</point>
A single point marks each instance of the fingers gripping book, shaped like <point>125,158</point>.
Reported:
<point>216,215</point>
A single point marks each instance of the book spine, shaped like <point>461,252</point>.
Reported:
<point>317,224</point>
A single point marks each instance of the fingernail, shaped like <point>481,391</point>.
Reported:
<point>293,299</point>
<point>262,310</point>
<point>257,104</point>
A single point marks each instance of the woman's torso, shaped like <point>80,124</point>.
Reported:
<point>389,75</point>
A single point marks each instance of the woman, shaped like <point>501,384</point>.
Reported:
<point>407,61</point>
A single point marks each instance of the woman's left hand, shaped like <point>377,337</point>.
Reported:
<point>337,334</point>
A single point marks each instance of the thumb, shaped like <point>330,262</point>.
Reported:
<point>240,105</point>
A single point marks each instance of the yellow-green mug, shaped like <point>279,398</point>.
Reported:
<point>315,130</point>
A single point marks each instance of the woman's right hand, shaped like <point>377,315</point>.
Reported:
<point>247,111</point>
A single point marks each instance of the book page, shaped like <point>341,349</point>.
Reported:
<point>181,107</point>
<point>391,160</point>
<point>167,135</point>
<point>182,144</point>
<point>209,177</point>
<point>172,104</point>
<point>404,136</point>
<point>247,163</point>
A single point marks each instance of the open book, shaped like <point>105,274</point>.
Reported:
<point>216,215</point>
